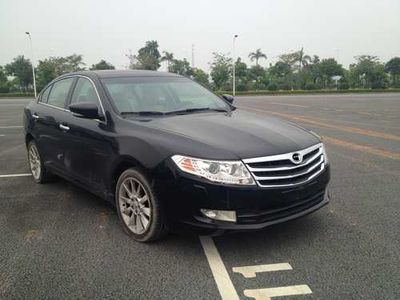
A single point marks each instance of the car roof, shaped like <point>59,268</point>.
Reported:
<point>123,73</point>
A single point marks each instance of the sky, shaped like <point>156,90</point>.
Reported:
<point>109,29</point>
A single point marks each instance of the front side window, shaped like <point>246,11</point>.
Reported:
<point>84,92</point>
<point>160,94</point>
<point>59,92</point>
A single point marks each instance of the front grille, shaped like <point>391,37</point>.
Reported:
<point>284,170</point>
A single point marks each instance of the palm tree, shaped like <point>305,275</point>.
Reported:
<point>302,59</point>
<point>257,55</point>
<point>168,57</point>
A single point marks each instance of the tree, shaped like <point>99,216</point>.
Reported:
<point>102,65</point>
<point>21,68</point>
<point>302,58</point>
<point>241,75</point>
<point>200,76</point>
<point>73,63</point>
<point>4,84</point>
<point>393,68</point>
<point>150,48</point>
<point>257,55</point>
<point>378,78</point>
<point>297,59</point>
<point>47,70</point>
<point>328,67</point>
<point>168,57</point>
<point>3,76</point>
<point>282,74</point>
<point>148,57</point>
<point>280,69</point>
<point>314,71</point>
<point>256,74</point>
<point>181,67</point>
<point>368,72</point>
<point>221,71</point>
<point>289,58</point>
<point>52,67</point>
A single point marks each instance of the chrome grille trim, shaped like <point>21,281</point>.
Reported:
<point>285,163</point>
<point>294,175</point>
<point>310,160</point>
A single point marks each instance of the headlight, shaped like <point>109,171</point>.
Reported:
<point>229,172</point>
<point>326,160</point>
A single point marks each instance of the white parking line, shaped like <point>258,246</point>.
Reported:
<point>221,276</point>
<point>250,271</point>
<point>15,175</point>
<point>5,127</point>
<point>2,134</point>
<point>266,294</point>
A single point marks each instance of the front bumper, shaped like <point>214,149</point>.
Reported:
<point>255,207</point>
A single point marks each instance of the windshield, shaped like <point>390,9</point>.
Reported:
<point>161,95</point>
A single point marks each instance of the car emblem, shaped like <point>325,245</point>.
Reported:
<point>297,158</point>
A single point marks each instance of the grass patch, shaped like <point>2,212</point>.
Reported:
<point>304,92</point>
<point>17,95</point>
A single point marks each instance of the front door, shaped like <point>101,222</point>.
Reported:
<point>88,146</point>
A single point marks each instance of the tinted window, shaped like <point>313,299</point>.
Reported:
<point>59,92</point>
<point>161,94</point>
<point>45,95</point>
<point>84,92</point>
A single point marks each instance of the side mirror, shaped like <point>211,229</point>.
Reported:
<point>228,98</point>
<point>86,110</point>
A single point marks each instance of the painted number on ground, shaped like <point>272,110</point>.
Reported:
<point>226,287</point>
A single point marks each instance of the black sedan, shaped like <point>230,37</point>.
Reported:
<point>169,154</point>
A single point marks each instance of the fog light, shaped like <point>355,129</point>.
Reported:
<point>221,215</point>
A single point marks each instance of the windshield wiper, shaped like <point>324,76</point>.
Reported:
<point>142,113</point>
<point>190,110</point>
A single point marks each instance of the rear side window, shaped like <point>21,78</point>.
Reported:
<point>59,92</point>
<point>84,92</point>
<point>45,95</point>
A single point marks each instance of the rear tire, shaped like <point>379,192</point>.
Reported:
<point>39,173</point>
<point>138,207</point>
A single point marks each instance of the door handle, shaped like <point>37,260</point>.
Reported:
<point>35,116</point>
<point>63,127</point>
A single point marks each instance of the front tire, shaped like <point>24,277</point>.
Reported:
<point>138,207</point>
<point>39,172</point>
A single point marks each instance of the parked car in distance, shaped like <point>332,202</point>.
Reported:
<point>171,155</point>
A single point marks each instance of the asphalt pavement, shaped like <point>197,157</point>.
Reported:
<point>58,241</point>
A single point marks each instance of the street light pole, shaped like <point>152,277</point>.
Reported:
<point>33,68</point>
<point>233,67</point>
<point>193,56</point>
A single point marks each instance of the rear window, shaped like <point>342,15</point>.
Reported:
<point>59,92</point>
<point>45,95</point>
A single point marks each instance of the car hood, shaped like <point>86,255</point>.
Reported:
<point>240,133</point>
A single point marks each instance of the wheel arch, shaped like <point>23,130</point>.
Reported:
<point>122,164</point>
<point>28,137</point>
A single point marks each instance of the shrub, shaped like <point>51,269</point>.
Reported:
<point>343,86</point>
<point>284,86</point>
<point>310,86</point>
<point>4,88</point>
<point>272,86</point>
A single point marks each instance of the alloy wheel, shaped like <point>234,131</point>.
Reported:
<point>34,161</point>
<point>135,205</point>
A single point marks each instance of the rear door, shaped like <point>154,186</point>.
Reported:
<point>50,113</point>
<point>40,122</point>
